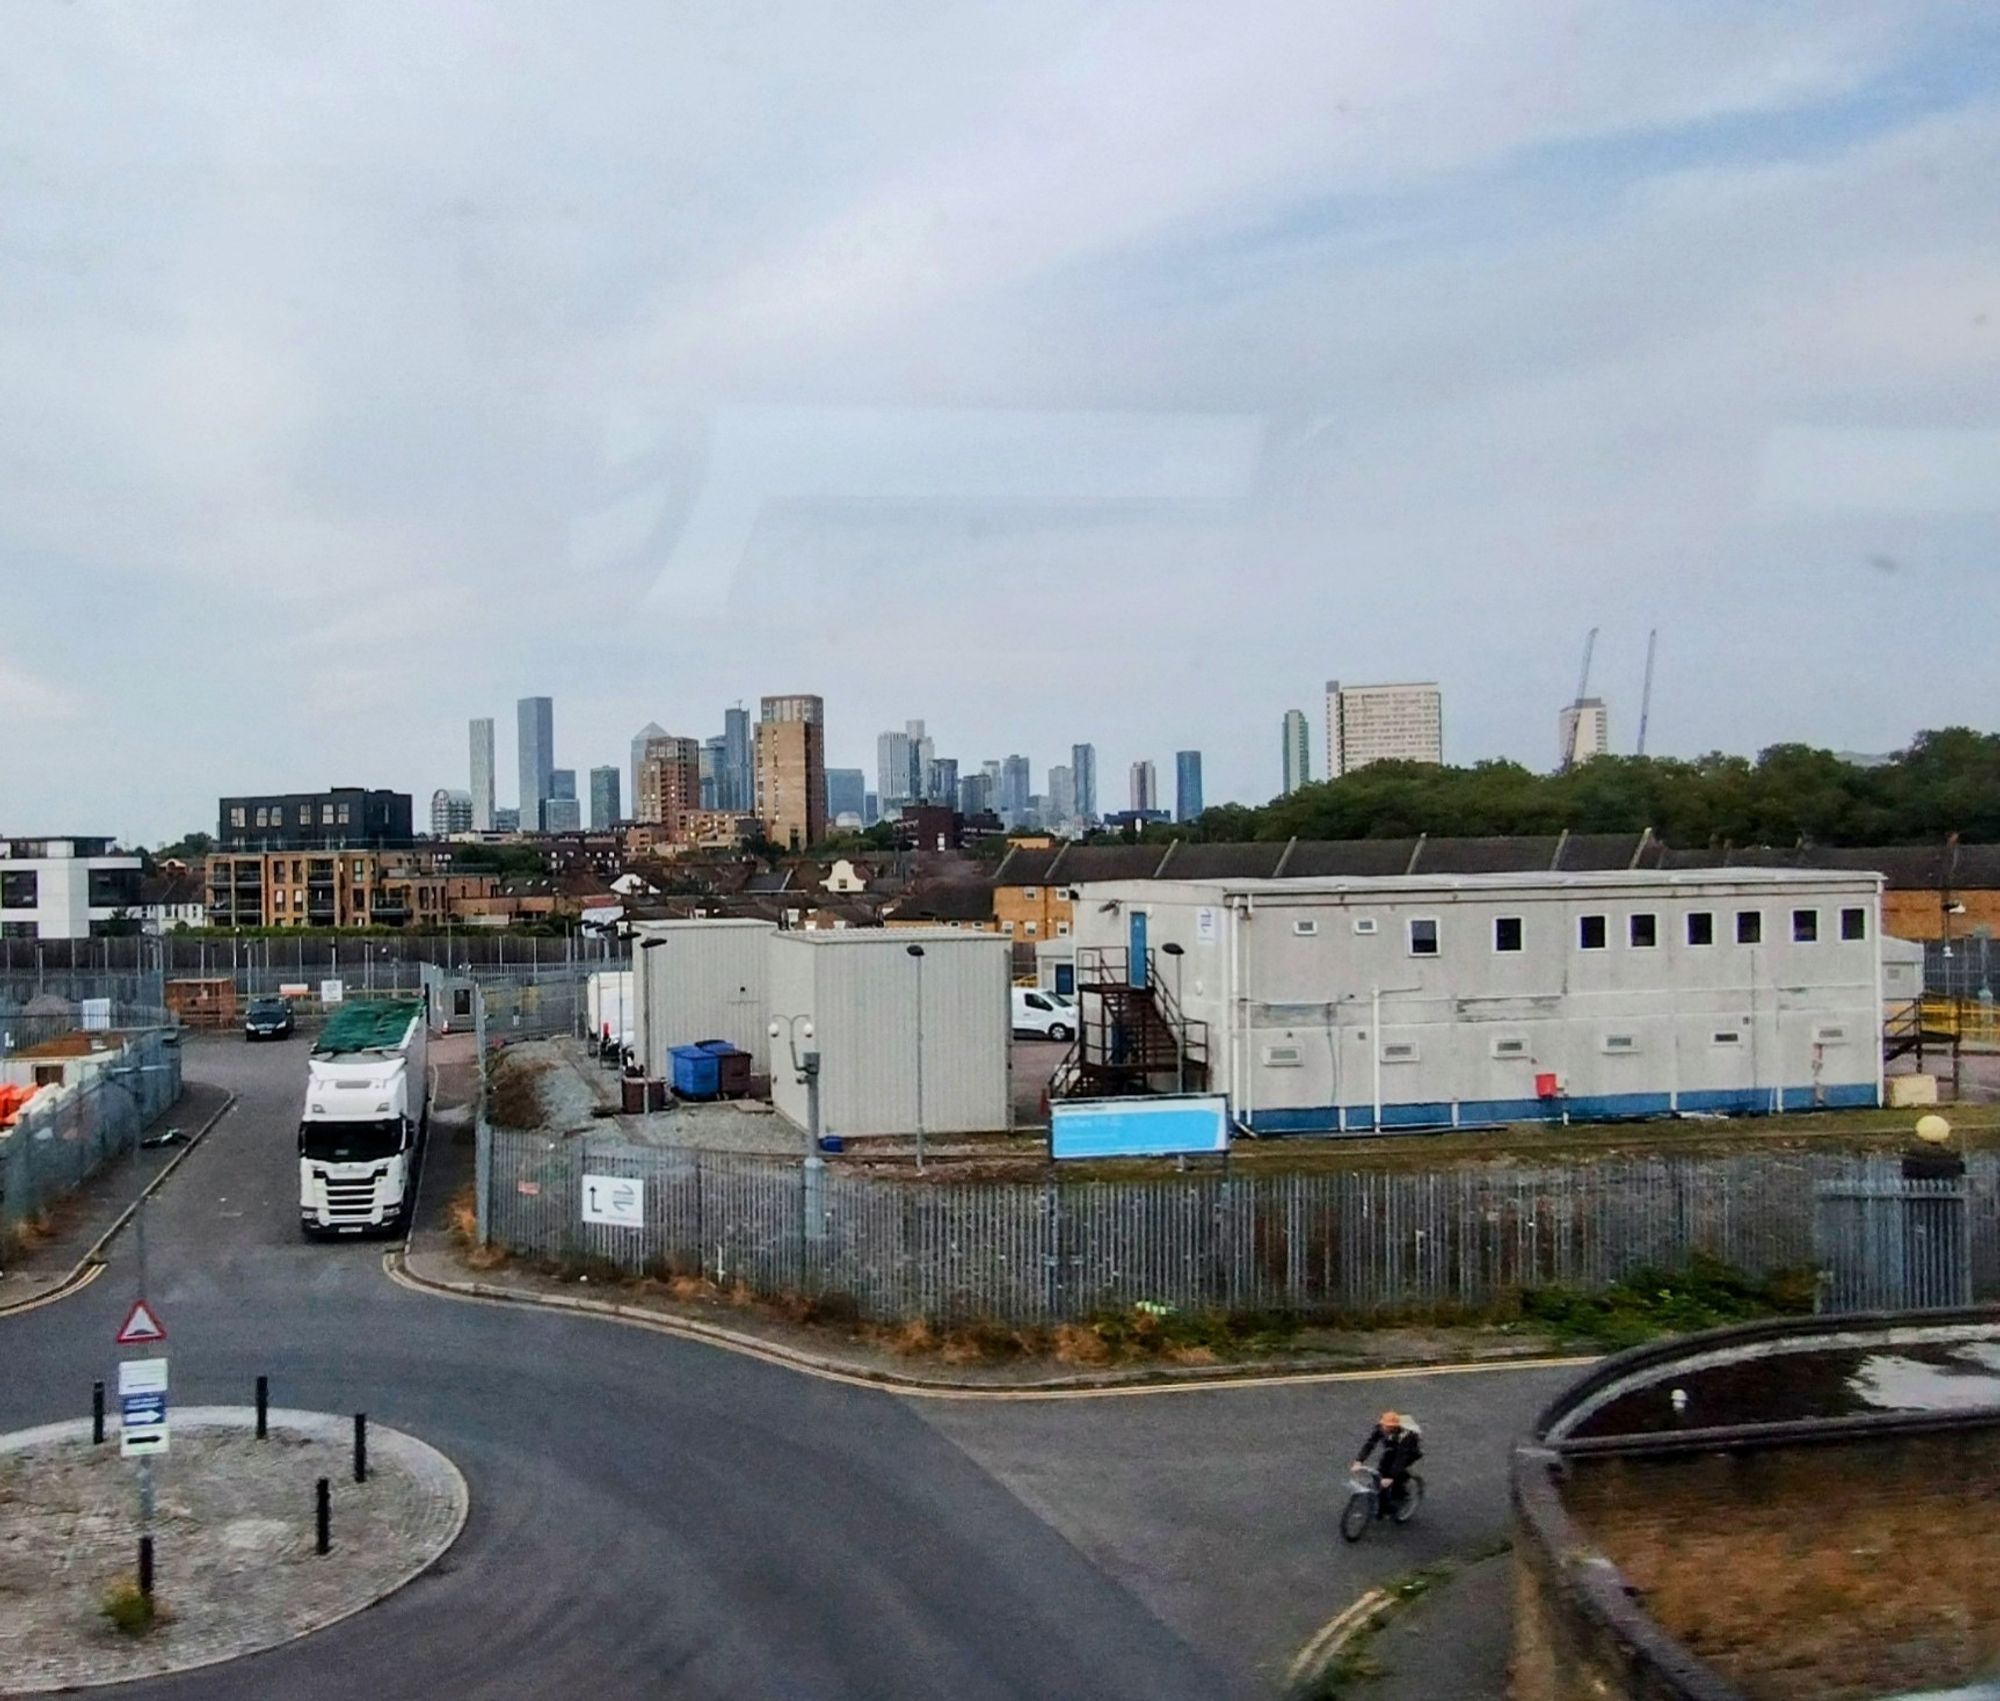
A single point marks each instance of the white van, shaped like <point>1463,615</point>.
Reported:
<point>1038,1011</point>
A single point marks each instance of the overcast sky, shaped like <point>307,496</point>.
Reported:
<point>1048,371</point>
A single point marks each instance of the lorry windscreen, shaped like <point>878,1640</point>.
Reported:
<point>350,1142</point>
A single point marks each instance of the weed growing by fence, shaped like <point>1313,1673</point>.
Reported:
<point>1704,1294</point>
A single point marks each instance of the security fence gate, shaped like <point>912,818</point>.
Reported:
<point>1893,1243</point>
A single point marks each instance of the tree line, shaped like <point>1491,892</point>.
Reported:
<point>1946,782</point>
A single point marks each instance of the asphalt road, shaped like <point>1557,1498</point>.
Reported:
<point>653,1516</point>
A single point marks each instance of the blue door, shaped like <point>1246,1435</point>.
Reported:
<point>1066,979</point>
<point>1136,936</point>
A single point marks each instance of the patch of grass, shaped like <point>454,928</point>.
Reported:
<point>514,1090</point>
<point>131,1613</point>
<point>461,1223</point>
<point>1705,1294</point>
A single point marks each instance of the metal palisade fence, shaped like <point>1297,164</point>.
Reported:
<point>66,1135</point>
<point>1351,1243</point>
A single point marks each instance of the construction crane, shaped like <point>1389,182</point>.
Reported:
<point>1582,691</point>
<point>1646,690</point>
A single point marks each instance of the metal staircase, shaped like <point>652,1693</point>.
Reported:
<point>1132,1036</point>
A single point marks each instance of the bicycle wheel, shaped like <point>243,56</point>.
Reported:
<point>1357,1515</point>
<point>1413,1497</point>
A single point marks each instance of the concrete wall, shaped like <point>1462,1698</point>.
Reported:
<point>1286,976</point>
<point>703,980</point>
<point>859,989</point>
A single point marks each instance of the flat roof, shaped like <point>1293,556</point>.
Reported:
<point>883,937</point>
<point>1596,879</point>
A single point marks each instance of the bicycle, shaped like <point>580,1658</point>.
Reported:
<point>1364,1495</point>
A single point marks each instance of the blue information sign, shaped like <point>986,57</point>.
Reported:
<point>1139,1128</point>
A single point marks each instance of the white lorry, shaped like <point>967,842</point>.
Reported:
<point>609,995</point>
<point>367,1105</point>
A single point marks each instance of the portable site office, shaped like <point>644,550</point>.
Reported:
<point>1334,1005</point>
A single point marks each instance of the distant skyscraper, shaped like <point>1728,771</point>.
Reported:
<point>846,794</point>
<point>451,812</point>
<point>922,754</point>
<point>506,820</point>
<point>1083,769</point>
<point>652,729</point>
<point>562,784</point>
<point>1187,784</point>
<point>871,809</point>
<point>1062,796</point>
<point>1382,723</point>
<point>735,786</point>
<point>1298,751</point>
<point>975,794</point>
<point>791,770</point>
<point>1016,785</point>
<point>535,746</point>
<point>714,765</point>
<point>482,775</point>
<point>1145,787</point>
<point>604,813</point>
<point>896,779</point>
<point>562,815</point>
<point>941,780</point>
<point>1583,730</point>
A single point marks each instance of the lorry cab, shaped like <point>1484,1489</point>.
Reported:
<point>366,1092</point>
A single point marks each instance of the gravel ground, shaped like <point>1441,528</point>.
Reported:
<point>234,1533</point>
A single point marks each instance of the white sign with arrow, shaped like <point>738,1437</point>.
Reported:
<point>614,1199</point>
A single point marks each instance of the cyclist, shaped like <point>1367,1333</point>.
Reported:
<point>1402,1445</point>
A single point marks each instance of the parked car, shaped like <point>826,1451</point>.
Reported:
<point>1050,1015</point>
<point>268,1018</point>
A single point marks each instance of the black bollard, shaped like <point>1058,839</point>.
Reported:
<point>360,1446</point>
<point>97,1414</point>
<point>146,1566</point>
<point>323,1515</point>
<point>263,1407</point>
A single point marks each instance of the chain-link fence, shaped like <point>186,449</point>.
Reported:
<point>65,1135</point>
<point>1352,1243</point>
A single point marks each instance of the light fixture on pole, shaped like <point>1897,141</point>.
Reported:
<point>806,1065</point>
<point>917,951</point>
<point>1175,950</point>
<point>642,984</point>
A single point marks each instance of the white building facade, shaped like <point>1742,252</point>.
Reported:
<point>1382,723</point>
<point>1583,730</point>
<point>1338,1006</point>
<point>65,888</point>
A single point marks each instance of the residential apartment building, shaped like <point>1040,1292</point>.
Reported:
<point>344,816</point>
<point>1583,730</point>
<point>1145,788</point>
<point>1382,723</point>
<point>324,888</point>
<point>790,761</point>
<point>669,781</point>
<point>535,730</point>
<point>482,775</point>
<point>451,812</point>
<point>640,739</point>
<point>1297,752</point>
<point>1187,784</point>
<point>604,806</point>
<point>65,888</point>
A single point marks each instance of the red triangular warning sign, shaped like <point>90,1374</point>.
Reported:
<point>141,1327</point>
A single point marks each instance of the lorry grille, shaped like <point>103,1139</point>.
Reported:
<point>350,1198</point>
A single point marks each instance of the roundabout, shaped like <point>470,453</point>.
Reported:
<point>650,1514</point>
<point>236,1542</point>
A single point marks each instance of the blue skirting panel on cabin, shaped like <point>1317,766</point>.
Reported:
<point>1609,1107</point>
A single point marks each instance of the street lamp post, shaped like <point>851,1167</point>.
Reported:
<point>917,952</point>
<point>645,973</point>
<point>1176,951</point>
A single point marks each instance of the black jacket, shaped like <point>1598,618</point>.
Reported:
<point>1399,1451</point>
